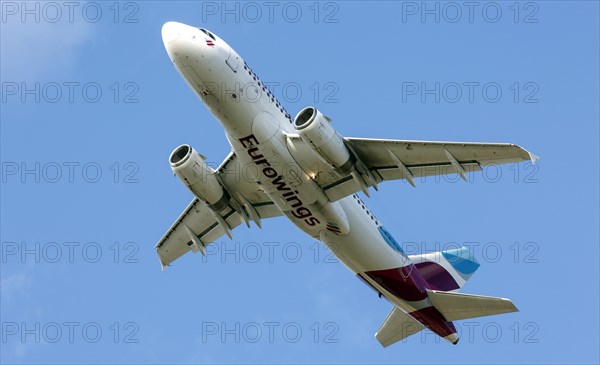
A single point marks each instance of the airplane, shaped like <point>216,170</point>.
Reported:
<point>302,168</point>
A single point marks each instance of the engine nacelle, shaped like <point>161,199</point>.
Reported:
<point>316,131</point>
<point>200,178</point>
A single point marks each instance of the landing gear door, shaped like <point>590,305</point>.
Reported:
<point>233,61</point>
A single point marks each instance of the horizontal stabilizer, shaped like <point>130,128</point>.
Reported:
<point>456,306</point>
<point>397,326</point>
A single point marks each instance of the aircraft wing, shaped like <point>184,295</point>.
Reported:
<point>198,225</point>
<point>386,159</point>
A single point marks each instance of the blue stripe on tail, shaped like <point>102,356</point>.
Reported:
<point>462,260</point>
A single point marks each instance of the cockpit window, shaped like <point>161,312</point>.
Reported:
<point>207,33</point>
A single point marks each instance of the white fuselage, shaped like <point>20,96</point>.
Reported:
<point>257,126</point>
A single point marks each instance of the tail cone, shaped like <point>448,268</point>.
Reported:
<point>453,338</point>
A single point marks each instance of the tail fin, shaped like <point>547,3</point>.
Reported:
<point>446,270</point>
<point>457,306</point>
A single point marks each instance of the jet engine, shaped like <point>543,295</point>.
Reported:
<point>316,131</point>
<point>200,178</point>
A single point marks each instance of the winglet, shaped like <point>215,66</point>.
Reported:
<point>163,266</point>
<point>533,158</point>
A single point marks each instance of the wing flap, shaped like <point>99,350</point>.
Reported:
<point>395,173</point>
<point>418,153</point>
<point>197,219</point>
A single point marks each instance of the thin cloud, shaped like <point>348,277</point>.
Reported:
<point>31,51</point>
<point>14,285</point>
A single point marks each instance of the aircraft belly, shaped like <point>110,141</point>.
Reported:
<point>265,158</point>
<point>363,249</point>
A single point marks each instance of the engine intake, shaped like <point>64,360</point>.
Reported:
<point>197,176</point>
<point>316,131</point>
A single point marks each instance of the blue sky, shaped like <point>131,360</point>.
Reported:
<point>91,109</point>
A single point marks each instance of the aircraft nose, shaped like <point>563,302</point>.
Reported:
<point>171,31</point>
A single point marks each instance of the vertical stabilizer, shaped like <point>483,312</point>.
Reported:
<point>446,270</point>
